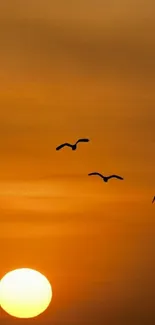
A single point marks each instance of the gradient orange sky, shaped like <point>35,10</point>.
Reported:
<point>74,69</point>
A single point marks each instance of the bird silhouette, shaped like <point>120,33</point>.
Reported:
<point>72,146</point>
<point>105,178</point>
<point>153,199</point>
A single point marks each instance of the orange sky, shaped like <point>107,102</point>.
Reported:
<point>69,70</point>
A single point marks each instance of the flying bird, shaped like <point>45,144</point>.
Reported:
<point>105,178</point>
<point>153,199</point>
<point>73,146</point>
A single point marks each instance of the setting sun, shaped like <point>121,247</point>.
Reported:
<point>25,293</point>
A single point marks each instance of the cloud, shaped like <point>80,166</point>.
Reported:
<point>121,48</point>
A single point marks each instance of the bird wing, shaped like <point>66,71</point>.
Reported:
<point>63,145</point>
<point>115,176</point>
<point>153,199</point>
<point>95,173</point>
<point>82,140</point>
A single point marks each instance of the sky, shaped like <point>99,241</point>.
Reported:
<point>69,70</point>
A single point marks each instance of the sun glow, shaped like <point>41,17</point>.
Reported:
<point>25,293</point>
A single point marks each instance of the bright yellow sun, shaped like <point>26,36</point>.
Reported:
<point>25,293</point>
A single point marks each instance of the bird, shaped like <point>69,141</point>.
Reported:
<point>153,199</point>
<point>73,146</point>
<point>106,178</point>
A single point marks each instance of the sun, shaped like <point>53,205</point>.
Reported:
<point>25,293</point>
